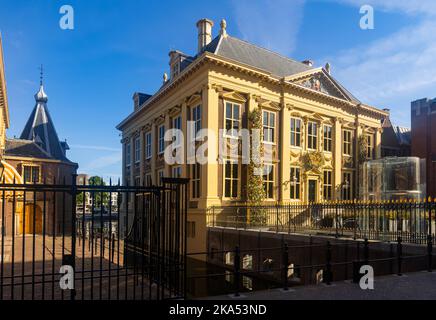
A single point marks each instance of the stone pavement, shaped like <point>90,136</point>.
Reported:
<point>413,286</point>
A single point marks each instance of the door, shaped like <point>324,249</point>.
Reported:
<point>312,190</point>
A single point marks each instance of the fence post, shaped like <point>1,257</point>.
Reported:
<point>366,251</point>
<point>328,275</point>
<point>73,225</point>
<point>237,266</point>
<point>399,254</point>
<point>336,222</point>
<point>429,252</point>
<point>285,264</point>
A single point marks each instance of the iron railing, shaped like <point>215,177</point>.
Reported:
<point>133,250</point>
<point>386,221</point>
<point>311,263</point>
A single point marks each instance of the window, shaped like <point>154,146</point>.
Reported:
<point>328,186</point>
<point>232,119</point>
<point>190,229</point>
<point>347,142</point>
<point>148,145</point>
<point>31,174</point>
<point>160,175</point>
<point>161,141</point>
<point>268,181</point>
<point>137,150</point>
<point>295,132</point>
<point>312,135</point>
<point>369,146</point>
<point>231,178</point>
<point>128,155</point>
<point>195,181</point>
<point>177,172</point>
<point>295,183</point>
<point>148,181</point>
<point>328,138</point>
<point>269,124</point>
<point>137,181</point>
<point>347,185</point>
<point>177,125</point>
<point>196,117</point>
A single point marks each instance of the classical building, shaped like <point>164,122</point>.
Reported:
<point>318,131</point>
<point>395,140</point>
<point>424,138</point>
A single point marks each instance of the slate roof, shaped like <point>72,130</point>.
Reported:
<point>39,138</point>
<point>25,148</point>
<point>404,135</point>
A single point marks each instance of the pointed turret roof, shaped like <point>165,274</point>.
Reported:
<point>40,128</point>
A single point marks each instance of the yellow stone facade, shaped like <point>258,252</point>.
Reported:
<point>4,111</point>
<point>211,81</point>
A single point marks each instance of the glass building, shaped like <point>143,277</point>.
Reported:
<point>393,178</point>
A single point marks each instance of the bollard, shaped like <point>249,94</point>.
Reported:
<point>328,275</point>
<point>285,264</point>
<point>429,252</point>
<point>399,255</point>
<point>236,266</point>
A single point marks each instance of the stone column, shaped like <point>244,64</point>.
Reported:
<point>285,162</point>
<point>154,149</point>
<point>142,156</point>
<point>185,118</point>
<point>209,172</point>
<point>377,143</point>
<point>337,158</point>
<point>167,170</point>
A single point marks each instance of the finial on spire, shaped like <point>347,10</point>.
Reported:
<point>223,30</point>
<point>41,74</point>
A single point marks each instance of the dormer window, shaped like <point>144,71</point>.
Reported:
<point>176,70</point>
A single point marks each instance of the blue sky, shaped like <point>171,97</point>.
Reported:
<point>121,46</point>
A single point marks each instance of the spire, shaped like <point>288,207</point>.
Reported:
<point>40,96</point>
<point>40,128</point>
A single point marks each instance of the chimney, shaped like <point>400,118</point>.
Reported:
<point>308,63</point>
<point>204,33</point>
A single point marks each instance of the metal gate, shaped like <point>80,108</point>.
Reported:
<point>92,242</point>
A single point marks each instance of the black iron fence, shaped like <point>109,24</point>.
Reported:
<point>320,262</point>
<point>131,249</point>
<point>386,221</point>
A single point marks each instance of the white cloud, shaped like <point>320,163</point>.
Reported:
<point>426,7</point>
<point>102,162</point>
<point>395,69</point>
<point>271,24</point>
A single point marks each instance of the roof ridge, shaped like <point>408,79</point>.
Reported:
<point>270,51</point>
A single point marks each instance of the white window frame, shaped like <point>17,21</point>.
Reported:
<point>312,137</point>
<point>231,179</point>
<point>232,119</point>
<point>295,190</point>
<point>327,184</point>
<point>269,127</point>
<point>137,149</point>
<point>196,118</point>
<point>161,139</point>
<point>347,145</point>
<point>196,181</point>
<point>176,172</point>
<point>267,182</point>
<point>177,124</point>
<point>148,146</point>
<point>327,140</point>
<point>294,133</point>
<point>369,146</point>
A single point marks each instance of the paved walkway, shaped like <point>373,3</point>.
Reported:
<point>413,286</point>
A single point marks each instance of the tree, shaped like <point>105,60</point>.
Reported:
<point>97,196</point>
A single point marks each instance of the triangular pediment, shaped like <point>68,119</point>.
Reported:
<point>319,80</point>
